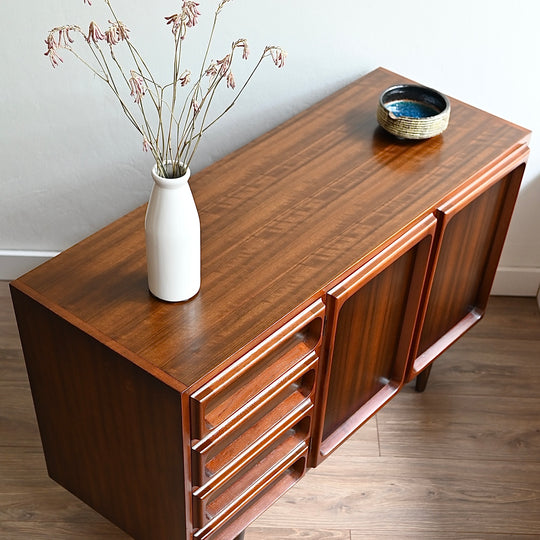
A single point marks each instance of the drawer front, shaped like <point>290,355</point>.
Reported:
<point>225,394</point>
<point>252,423</point>
<point>239,511</point>
<point>214,507</point>
<point>276,409</point>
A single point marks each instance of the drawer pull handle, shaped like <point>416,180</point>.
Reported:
<point>294,460</point>
<point>240,382</point>
<point>249,409</point>
<point>299,422</point>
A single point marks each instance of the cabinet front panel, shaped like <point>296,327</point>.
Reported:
<point>235,512</point>
<point>366,342</point>
<point>221,400</point>
<point>256,422</point>
<point>251,427</point>
<point>471,243</point>
<point>372,318</point>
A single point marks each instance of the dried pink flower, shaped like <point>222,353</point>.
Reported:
<point>190,12</point>
<point>185,77</point>
<point>51,43</point>
<point>243,44</point>
<point>123,31</point>
<point>224,65</point>
<point>231,83</point>
<point>94,33</point>
<point>176,21</point>
<point>186,18</point>
<point>111,36</point>
<point>117,32</point>
<point>245,53</point>
<point>196,107</point>
<point>53,56</point>
<point>137,86</point>
<point>62,41</point>
<point>87,2</point>
<point>211,70</point>
<point>278,55</point>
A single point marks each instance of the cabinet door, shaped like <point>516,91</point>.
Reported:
<point>472,229</point>
<point>371,320</point>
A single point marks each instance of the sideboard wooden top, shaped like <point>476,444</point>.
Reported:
<point>281,219</point>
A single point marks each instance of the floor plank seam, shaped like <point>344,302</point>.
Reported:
<point>378,435</point>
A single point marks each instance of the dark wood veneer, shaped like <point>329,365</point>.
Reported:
<point>280,218</point>
<point>338,262</point>
<point>116,446</point>
<point>372,316</point>
<point>472,229</point>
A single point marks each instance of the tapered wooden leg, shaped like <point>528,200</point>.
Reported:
<point>422,379</point>
<point>240,536</point>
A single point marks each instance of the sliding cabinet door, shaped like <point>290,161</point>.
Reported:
<point>472,229</point>
<point>371,321</point>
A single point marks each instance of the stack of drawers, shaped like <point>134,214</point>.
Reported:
<point>251,425</point>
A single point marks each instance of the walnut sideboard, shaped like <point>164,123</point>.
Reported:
<point>338,263</point>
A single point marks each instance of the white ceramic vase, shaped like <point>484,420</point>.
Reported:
<point>173,239</point>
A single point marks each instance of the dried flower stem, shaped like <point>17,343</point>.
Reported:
<point>176,140</point>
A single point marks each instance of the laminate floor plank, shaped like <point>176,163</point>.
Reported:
<point>12,365</point>
<point>497,357</point>
<point>427,535</point>
<point>461,427</point>
<point>9,337</point>
<point>34,506</point>
<point>483,395</point>
<point>406,495</point>
<point>461,460</point>
<point>363,443</point>
<point>510,318</point>
<point>50,505</point>
<point>64,530</point>
<point>18,424</point>
<point>276,533</point>
<point>480,366</point>
<point>22,468</point>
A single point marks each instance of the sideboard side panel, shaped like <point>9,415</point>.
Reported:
<point>111,433</point>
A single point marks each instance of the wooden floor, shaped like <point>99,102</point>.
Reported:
<point>461,460</point>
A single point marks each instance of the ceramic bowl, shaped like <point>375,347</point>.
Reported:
<point>413,112</point>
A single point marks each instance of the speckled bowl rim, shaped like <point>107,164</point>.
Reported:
<point>409,127</point>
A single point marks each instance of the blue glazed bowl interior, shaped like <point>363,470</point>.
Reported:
<point>412,109</point>
<point>413,101</point>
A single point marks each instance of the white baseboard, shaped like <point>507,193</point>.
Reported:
<point>15,262</point>
<point>516,281</point>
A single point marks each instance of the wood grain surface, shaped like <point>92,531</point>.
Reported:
<point>281,218</point>
<point>461,460</point>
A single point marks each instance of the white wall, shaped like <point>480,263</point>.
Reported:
<point>71,163</point>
